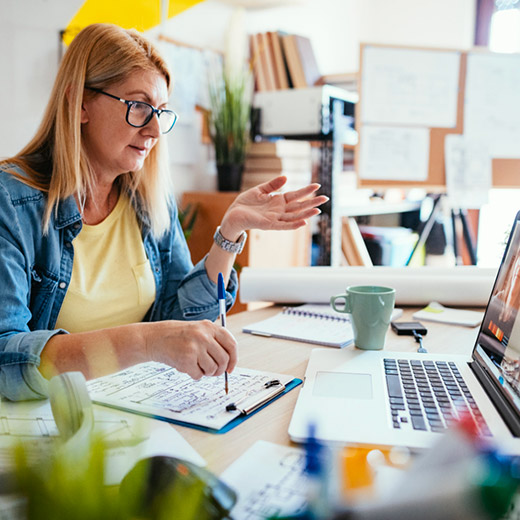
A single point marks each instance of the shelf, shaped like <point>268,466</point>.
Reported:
<point>378,208</point>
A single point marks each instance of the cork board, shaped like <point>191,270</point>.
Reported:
<point>505,171</point>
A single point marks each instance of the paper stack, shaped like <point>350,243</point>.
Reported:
<point>437,312</point>
<point>269,159</point>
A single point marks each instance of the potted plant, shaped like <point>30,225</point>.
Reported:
<point>229,123</point>
<point>63,484</point>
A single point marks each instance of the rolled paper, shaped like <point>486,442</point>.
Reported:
<point>467,286</point>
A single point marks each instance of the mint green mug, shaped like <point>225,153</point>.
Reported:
<point>371,308</point>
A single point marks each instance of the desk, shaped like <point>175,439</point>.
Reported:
<point>290,357</point>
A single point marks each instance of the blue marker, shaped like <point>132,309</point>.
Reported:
<point>222,312</point>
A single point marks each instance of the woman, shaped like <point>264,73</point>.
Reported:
<point>95,272</point>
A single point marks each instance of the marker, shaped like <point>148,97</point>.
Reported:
<point>222,311</point>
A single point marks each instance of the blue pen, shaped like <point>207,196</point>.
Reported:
<point>222,311</point>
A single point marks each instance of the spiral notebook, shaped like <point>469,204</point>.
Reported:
<point>310,323</point>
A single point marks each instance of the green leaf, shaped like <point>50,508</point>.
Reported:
<point>229,116</point>
<point>62,486</point>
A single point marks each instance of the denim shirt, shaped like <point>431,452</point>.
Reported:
<point>35,272</point>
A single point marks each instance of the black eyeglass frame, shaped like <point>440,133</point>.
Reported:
<point>129,105</point>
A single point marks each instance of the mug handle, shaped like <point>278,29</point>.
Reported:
<point>345,308</point>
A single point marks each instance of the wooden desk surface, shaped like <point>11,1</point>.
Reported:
<point>290,357</point>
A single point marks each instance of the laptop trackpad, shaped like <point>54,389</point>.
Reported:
<point>343,385</point>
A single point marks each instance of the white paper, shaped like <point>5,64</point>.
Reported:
<point>468,172</point>
<point>162,439</point>
<point>437,312</point>
<point>128,438</point>
<point>463,285</point>
<point>269,480</point>
<point>394,153</point>
<point>492,104</point>
<point>158,390</point>
<point>188,70</point>
<point>409,86</point>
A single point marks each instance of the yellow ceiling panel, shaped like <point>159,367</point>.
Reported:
<point>137,14</point>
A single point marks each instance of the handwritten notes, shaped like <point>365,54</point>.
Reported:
<point>468,171</point>
<point>276,487</point>
<point>492,106</point>
<point>394,153</point>
<point>410,87</point>
<point>158,390</point>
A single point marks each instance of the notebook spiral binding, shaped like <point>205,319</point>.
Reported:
<point>296,312</point>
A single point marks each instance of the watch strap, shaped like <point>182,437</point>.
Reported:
<point>227,245</point>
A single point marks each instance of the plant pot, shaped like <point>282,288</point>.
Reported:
<point>229,176</point>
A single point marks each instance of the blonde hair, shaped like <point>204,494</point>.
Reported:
<point>56,163</point>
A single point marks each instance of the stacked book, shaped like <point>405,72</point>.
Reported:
<point>269,159</point>
<point>283,61</point>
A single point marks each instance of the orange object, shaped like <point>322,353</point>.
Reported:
<point>357,472</point>
<point>496,330</point>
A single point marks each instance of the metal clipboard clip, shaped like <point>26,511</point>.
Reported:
<point>250,403</point>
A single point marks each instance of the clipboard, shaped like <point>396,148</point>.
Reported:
<point>241,418</point>
<point>161,392</point>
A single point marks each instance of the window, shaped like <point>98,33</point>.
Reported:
<point>504,31</point>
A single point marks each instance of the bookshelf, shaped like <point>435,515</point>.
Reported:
<point>324,115</point>
<point>352,243</point>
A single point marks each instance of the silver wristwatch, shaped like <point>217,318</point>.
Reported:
<point>227,245</point>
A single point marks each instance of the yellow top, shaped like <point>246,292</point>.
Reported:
<point>112,281</point>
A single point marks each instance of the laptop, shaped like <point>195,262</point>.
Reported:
<point>409,399</point>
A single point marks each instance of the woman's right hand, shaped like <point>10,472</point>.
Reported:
<point>198,348</point>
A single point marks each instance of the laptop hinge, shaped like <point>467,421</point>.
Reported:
<point>503,407</point>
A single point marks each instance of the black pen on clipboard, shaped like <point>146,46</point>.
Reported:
<point>222,312</point>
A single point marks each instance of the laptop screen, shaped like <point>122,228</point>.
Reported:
<point>498,342</point>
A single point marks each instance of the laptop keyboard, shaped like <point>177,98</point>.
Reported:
<point>429,395</point>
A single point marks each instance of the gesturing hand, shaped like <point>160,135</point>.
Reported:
<point>261,208</point>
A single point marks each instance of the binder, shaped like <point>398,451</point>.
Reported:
<point>161,392</point>
<point>310,323</point>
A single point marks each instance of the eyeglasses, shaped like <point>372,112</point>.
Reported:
<point>139,113</point>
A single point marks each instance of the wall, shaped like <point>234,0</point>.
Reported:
<point>336,27</point>
<point>29,39</point>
